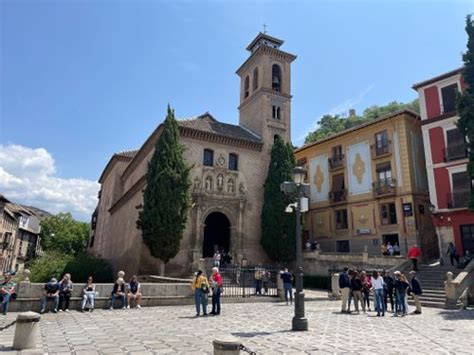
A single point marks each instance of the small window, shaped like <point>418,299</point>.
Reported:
<point>342,246</point>
<point>233,162</point>
<point>341,219</point>
<point>384,173</point>
<point>448,94</point>
<point>388,213</point>
<point>246,86</point>
<point>278,113</point>
<point>381,143</point>
<point>208,157</point>
<point>255,79</point>
<point>274,111</point>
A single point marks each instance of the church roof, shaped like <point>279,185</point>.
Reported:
<point>207,123</point>
<point>126,154</point>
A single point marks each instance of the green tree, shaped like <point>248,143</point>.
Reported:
<point>166,197</point>
<point>64,234</point>
<point>465,102</point>
<point>278,227</point>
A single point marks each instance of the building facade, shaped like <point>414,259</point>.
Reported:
<point>446,160</point>
<point>229,167</point>
<point>368,186</point>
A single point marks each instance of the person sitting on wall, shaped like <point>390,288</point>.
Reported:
<point>65,290</point>
<point>7,291</point>
<point>88,295</point>
<point>51,293</point>
<point>119,292</point>
<point>466,260</point>
<point>134,292</point>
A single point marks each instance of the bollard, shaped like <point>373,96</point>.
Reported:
<point>226,345</point>
<point>335,290</point>
<point>26,331</point>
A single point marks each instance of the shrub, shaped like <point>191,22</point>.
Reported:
<point>56,264</point>
<point>318,282</point>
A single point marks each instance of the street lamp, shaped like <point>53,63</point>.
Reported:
<point>298,189</point>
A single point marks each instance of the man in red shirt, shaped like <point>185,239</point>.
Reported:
<point>413,253</point>
<point>216,284</point>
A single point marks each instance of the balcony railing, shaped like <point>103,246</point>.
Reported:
<point>381,150</point>
<point>455,152</point>
<point>384,187</point>
<point>338,196</point>
<point>459,198</point>
<point>336,162</point>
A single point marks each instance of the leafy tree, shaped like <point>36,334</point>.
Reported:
<point>465,102</point>
<point>64,234</point>
<point>166,197</point>
<point>278,227</point>
<point>329,124</point>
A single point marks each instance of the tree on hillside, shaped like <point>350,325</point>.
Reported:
<point>166,197</point>
<point>329,124</point>
<point>278,227</point>
<point>64,234</point>
<point>465,102</point>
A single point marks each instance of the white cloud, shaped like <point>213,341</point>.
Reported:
<point>27,176</point>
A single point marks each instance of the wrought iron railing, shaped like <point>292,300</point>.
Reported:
<point>249,281</point>
<point>384,187</point>
<point>381,149</point>
<point>336,161</point>
<point>338,196</point>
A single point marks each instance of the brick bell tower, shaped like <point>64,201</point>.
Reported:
<point>265,89</point>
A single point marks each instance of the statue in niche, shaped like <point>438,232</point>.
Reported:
<point>230,186</point>
<point>220,181</point>
<point>209,183</point>
<point>242,188</point>
<point>197,183</point>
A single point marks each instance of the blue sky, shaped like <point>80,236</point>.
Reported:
<point>81,80</point>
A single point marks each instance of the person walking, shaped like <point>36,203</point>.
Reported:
<point>345,286</point>
<point>413,254</point>
<point>287,285</point>
<point>65,290</point>
<point>388,290</point>
<point>356,289</point>
<point>453,254</point>
<point>88,295</point>
<point>416,291</point>
<point>216,286</point>
<point>366,286</point>
<point>377,286</point>
<point>401,287</point>
<point>201,290</point>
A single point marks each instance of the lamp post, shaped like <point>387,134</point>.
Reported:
<point>298,189</point>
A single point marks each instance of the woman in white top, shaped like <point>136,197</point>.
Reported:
<point>377,286</point>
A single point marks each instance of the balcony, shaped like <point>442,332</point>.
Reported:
<point>381,150</point>
<point>336,162</point>
<point>338,196</point>
<point>459,198</point>
<point>455,152</point>
<point>384,187</point>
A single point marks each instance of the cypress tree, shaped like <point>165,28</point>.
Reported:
<point>465,102</point>
<point>278,227</point>
<point>166,201</point>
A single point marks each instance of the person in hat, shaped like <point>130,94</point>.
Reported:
<point>119,292</point>
<point>201,291</point>
<point>51,293</point>
<point>7,291</point>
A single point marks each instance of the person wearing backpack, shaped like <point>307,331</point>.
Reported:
<point>201,290</point>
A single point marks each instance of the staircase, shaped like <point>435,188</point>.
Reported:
<point>432,279</point>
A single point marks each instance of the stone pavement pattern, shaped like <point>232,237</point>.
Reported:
<point>262,327</point>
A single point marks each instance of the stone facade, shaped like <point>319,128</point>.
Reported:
<point>228,186</point>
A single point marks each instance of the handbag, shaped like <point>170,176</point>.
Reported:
<point>205,288</point>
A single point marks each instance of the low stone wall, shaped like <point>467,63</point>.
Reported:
<point>320,264</point>
<point>154,294</point>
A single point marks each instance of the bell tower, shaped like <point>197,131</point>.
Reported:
<point>265,89</point>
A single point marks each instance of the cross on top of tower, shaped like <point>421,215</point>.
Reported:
<point>265,28</point>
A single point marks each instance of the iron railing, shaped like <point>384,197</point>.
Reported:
<point>381,149</point>
<point>336,161</point>
<point>384,187</point>
<point>245,282</point>
<point>338,196</point>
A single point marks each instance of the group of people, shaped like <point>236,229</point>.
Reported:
<point>59,293</point>
<point>389,249</point>
<point>357,286</point>
<point>221,258</point>
<point>454,256</point>
<point>202,287</point>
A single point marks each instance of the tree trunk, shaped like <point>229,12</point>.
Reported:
<point>162,268</point>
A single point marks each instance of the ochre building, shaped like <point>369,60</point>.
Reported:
<point>368,187</point>
<point>230,164</point>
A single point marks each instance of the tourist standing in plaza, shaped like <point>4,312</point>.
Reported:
<point>119,292</point>
<point>345,286</point>
<point>134,292</point>
<point>287,285</point>
<point>88,294</point>
<point>453,254</point>
<point>366,286</point>
<point>415,289</point>
<point>377,286</point>
<point>65,290</point>
<point>413,254</point>
<point>217,258</point>
<point>258,281</point>
<point>51,293</point>
<point>356,289</point>
<point>388,290</point>
<point>7,291</point>
<point>201,290</point>
<point>216,286</point>
<point>401,287</point>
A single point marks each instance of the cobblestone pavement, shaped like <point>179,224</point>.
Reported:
<point>262,327</point>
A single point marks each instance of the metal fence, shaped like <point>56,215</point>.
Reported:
<point>249,281</point>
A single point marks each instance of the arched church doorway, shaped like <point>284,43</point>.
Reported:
<point>216,234</point>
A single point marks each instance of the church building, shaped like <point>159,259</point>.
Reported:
<point>230,164</point>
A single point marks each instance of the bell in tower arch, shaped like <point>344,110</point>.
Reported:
<point>276,77</point>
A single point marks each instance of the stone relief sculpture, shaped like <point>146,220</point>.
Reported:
<point>230,186</point>
<point>221,161</point>
<point>220,181</point>
<point>242,188</point>
<point>208,183</point>
<point>197,183</point>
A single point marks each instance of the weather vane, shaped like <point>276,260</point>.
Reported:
<point>264,28</point>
